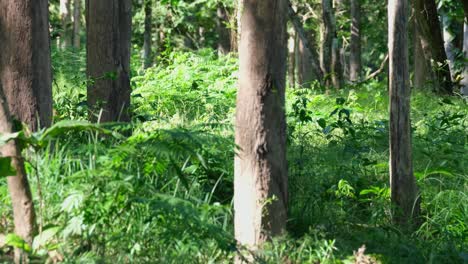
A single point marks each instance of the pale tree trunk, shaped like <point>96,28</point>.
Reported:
<point>292,56</point>
<point>464,82</point>
<point>224,34</point>
<point>65,17</point>
<point>239,10</point>
<point>432,42</point>
<point>404,192</point>
<point>26,94</point>
<point>355,42</point>
<point>76,23</point>
<point>108,59</point>
<point>260,171</point>
<point>448,44</point>
<point>147,55</point>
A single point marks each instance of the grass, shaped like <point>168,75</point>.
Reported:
<point>164,193</point>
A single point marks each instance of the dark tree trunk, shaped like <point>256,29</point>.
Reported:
<point>404,192</point>
<point>65,17</point>
<point>26,94</point>
<point>260,180</point>
<point>421,66</point>
<point>355,43</point>
<point>224,34</point>
<point>147,55</point>
<point>108,59</point>
<point>427,22</point>
<point>464,82</point>
<point>337,69</point>
<point>327,40</point>
<point>76,23</point>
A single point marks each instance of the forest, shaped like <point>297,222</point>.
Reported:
<point>234,131</point>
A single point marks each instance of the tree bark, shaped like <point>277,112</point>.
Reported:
<point>25,67</point>
<point>260,178</point>
<point>355,42</point>
<point>433,44</point>
<point>327,40</point>
<point>337,69</point>
<point>65,17</point>
<point>404,192</point>
<point>76,23</point>
<point>147,55</point>
<point>448,44</point>
<point>18,185</point>
<point>108,59</point>
<point>464,82</point>
<point>26,94</point>
<point>292,57</point>
<point>224,34</point>
<point>421,65</point>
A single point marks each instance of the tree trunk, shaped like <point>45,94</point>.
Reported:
<point>464,82</point>
<point>337,70</point>
<point>433,44</point>
<point>355,43</point>
<point>18,185</point>
<point>292,57</point>
<point>448,44</point>
<point>147,56</point>
<point>404,192</point>
<point>65,17</point>
<point>26,94</point>
<point>108,59</point>
<point>327,40</point>
<point>25,67</point>
<point>421,66</point>
<point>76,23</point>
<point>224,34</point>
<point>260,178</point>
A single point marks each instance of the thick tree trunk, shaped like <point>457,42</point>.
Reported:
<point>433,44</point>
<point>305,67</point>
<point>355,43</point>
<point>25,67</point>
<point>76,23</point>
<point>26,94</point>
<point>147,55</point>
<point>260,178</point>
<point>224,34</point>
<point>404,192</point>
<point>464,82</point>
<point>65,17</point>
<point>108,59</point>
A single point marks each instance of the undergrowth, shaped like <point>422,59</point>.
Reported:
<point>159,190</point>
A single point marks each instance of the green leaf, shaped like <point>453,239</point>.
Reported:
<point>5,167</point>
<point>14,240</point>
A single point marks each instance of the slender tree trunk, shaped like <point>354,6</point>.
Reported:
<point>355,43</point>
<point>76,23</point>
<point>224,42</point>
<point>433,44</point>
<point>147,55</point>
<point>448,44</point>
<point>292,57</point>
<point>65,17</point>
<point>337,70</point>
<point>464,82</point>
<point>260,178</point>
<point>404,192</point>
<point>108,59</point>
<point>421,66</point>
<point>25,94</point>
<point>18,185</point>
<point>305,67</point>
<point>327,40</point>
